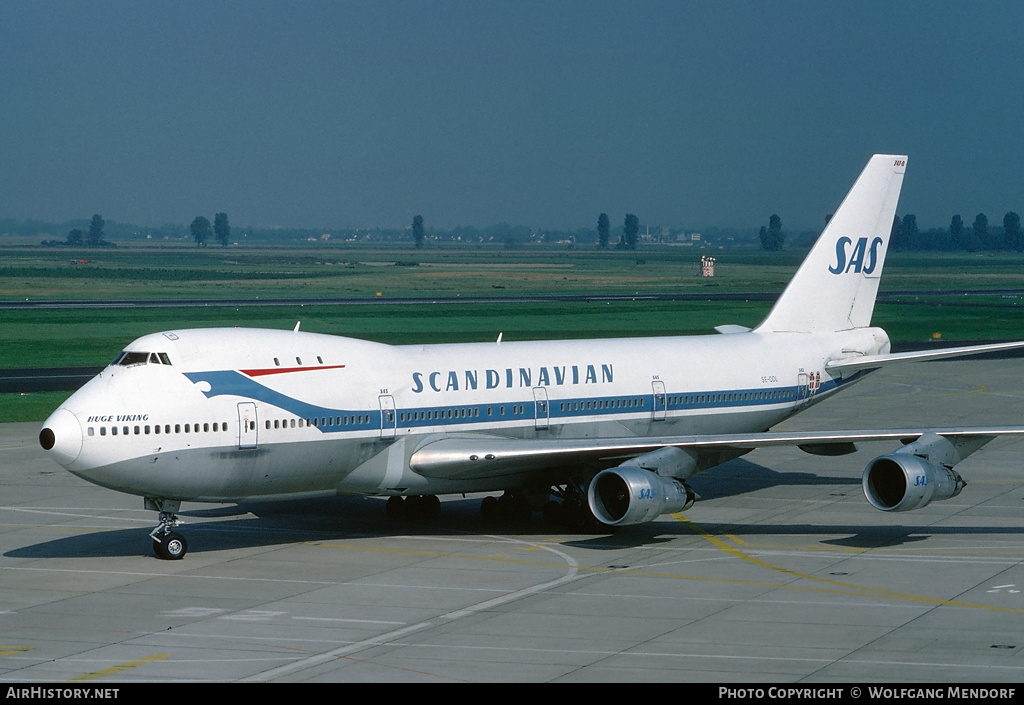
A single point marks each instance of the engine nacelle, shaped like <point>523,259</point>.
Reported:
<point>902,481</point>
<point>631,495</point>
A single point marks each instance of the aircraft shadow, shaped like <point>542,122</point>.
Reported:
<point>738,477</point>
<point>270,524</point>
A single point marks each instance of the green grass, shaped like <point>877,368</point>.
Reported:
<point>29,407</point>
<point>91,337</point>
<point>56,338</point>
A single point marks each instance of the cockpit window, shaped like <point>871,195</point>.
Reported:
<point>133,358</point>
<point>127,358</point>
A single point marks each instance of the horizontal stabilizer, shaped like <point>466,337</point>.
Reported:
<point>870,362</point>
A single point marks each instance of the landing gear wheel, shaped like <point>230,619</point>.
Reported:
<point>554,513</point>
<point>489,509</point>
<point>170,546</point>
<point>395,507</point>
<point>513,507</point>
<point>432,506</point>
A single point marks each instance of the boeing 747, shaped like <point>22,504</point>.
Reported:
<point>599,432</point>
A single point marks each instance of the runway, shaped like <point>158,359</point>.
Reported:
<point>781,573</point>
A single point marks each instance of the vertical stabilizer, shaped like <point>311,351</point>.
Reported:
<point>835,287</point>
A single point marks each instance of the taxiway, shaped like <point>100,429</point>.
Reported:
<point>782,573</point>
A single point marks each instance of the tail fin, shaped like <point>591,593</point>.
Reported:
<point>835,287</point>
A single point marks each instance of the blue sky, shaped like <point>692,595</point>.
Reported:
<point>360,114</point>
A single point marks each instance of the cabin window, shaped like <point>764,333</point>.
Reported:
<point>277,362</point>
<point>103,430</point>
<point>319,359</point>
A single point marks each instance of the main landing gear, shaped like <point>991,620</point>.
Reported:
<point>167,543</point>
<point>561,505</point>
<point>414,507</point>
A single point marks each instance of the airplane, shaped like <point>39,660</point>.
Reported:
<point>599,433</point>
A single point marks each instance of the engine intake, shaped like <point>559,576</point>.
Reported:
<point>902,481</point>
<point>628,495</point>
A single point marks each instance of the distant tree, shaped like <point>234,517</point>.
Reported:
<point>221,228</point>
<point>772,238</point>
<point>75,237</point>
<point>95,236</point>
<point>603,231</point>
<point>908,232</point>
<point>956,233</point>
<point>894,232</point>
<point>417,231</point>
<point>979,232</point>
<point>200,230</point>
<point>1012,232</point>
<point>630,230</point>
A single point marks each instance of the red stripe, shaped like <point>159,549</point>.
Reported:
<point>282,370</point>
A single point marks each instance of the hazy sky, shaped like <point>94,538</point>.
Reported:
<point>355,114</point>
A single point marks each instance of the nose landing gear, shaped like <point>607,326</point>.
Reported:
<point>167,543</point>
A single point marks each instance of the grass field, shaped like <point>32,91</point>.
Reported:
<point>51,338</point>
<point>307,271</point>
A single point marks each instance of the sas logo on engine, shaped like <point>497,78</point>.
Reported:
<point>858,258</point>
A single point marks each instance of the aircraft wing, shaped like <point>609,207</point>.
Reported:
<point>870,362</point>
<point>478,456</point>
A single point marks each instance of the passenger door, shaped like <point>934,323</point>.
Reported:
<point>247,426</point>
<point>388,416</point>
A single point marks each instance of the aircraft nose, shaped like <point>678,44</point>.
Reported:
<point>62,436</point>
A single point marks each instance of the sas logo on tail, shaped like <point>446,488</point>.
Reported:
<point>862,259</point>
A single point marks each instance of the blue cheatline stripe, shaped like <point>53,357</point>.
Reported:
<point>333,420</point>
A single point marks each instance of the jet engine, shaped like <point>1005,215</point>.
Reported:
<point>629,494</point>
<point>913,476</point>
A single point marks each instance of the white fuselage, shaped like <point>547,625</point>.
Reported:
<point>262,413</point>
